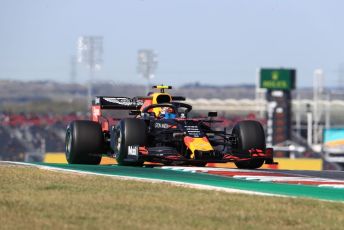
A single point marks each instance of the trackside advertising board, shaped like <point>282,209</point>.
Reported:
<point>277,79</point>
<point>334,138</point>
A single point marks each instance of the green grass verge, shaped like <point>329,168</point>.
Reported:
<point>31,198</point>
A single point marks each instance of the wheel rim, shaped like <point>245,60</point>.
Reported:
<point>68,144</point>
<point>119,140</point>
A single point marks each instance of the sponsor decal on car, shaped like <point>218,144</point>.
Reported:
<point>123,101</point>
<point>193,130</point>
<point>118,100</point>
<point>161,126</point>
<point>133,150</point>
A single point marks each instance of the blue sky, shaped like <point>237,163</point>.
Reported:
<point>210,41</point>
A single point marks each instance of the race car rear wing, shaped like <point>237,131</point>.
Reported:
<point>125,103</point>
<point>112,103</point>
<point>118,103</point>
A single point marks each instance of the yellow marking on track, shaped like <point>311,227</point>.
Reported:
<point>61,158</point>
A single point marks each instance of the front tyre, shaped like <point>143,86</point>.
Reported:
<point>129,134</point>
<point>250,135</point>
<point>84,142</point>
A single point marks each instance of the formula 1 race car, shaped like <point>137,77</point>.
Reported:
<point>160,131</point>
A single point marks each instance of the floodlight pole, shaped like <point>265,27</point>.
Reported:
<point>91,63</point>
<point>149,85</point>
<point>317,96</point>
<point>328,111</point>
<point>90,50</point>
<point>309,125</point>
<point>89,88</point>
<point>73,72</point>
<point>146,65</point>
<point>298,113</point>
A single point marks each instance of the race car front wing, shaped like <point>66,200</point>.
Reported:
<point>169,154</point>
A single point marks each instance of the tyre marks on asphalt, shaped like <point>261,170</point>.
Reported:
<point>264,176</point>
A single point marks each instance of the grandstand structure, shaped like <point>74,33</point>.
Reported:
<point>26,137</point>
<point>229,107</point>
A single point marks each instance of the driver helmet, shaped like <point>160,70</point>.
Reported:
<point>167,113</point>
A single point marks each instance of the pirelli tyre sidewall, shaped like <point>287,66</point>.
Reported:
<point>128,133</point>
<point>250,136</point>
<point>84,142</point>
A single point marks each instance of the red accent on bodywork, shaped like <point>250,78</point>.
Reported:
<point>268,154</point>
<point>143,150</point>
<point>234,158</point>
<point>146,103</point>
<point>96,116</point>
<point>96,113</point>
<point>105,125</point>
<point>257,153</point>
<point>173,157</point>
<point>188,140</point>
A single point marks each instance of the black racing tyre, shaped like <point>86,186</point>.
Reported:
<point>129,132</point>
<point>250,135</point>
<point>84,143</point>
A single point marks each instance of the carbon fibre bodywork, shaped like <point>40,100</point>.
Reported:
<point>173,141</point>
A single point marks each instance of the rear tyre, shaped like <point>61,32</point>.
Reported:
<point>130,132</point>
<point>250,136</point>
<point>84,142</point>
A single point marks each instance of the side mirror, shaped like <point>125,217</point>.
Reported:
<point>212,114</point>
<point>181,110</point>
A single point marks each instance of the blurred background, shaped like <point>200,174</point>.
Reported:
<point>280,62</point>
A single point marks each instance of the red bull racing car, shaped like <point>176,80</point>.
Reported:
<point>159,130</point>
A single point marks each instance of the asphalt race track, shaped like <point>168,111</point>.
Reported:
<point>323,185</point>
